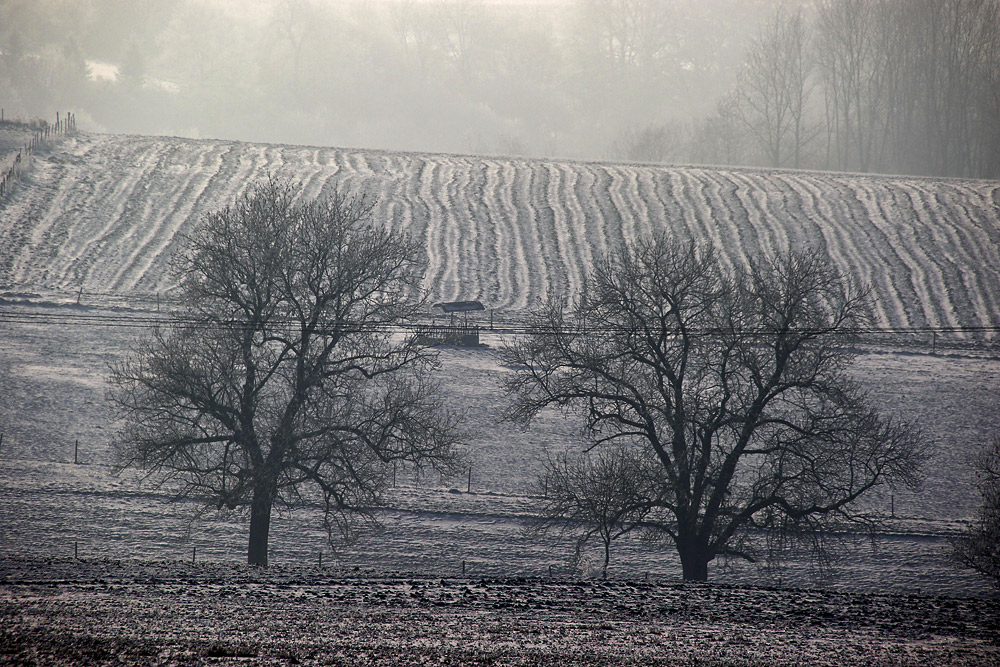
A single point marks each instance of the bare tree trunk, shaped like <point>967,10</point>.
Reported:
<point>694,561</point>
<point>260,526</point>
<point>607,557</point>
<point>694,558</point>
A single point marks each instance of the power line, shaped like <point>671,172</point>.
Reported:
<point>152,320</point>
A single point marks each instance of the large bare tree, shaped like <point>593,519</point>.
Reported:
<point>734,381</point>
<point>280,378</point>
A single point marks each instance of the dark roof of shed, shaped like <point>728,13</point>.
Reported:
<point>460,306</point>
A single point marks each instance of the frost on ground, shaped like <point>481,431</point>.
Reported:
<point>103,213</point>
<point>53,381</point>
<point>98,218</point>
<point>55,611</point>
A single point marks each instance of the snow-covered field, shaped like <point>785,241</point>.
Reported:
<point>102,213</point>
<point>54,361</point>
<point>96,219</point>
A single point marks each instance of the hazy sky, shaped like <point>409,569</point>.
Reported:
<point>541,77</point>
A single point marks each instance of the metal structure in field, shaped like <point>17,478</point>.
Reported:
<point>458,331</point>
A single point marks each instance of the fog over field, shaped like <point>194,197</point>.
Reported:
<point>516,144</point>
<point>887,86</point>
<point>459,75</point>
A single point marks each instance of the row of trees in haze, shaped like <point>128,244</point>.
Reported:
<point>872,85</point>
<point>540,78</point>
<point>868,85</point>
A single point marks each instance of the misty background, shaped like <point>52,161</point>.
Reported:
<point>890,86</point>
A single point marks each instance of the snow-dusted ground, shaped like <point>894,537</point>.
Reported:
<point>60,611</point>
<point>54,369</point>
<point>12,139</point>
<point>96,219</point>
<point>102,213</point>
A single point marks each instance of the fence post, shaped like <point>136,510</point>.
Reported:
<point>194,553</point>
<point>76,451</point>
<point>468,488</point>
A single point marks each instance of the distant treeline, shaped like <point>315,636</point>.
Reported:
<point>868,85</point>
<point>897,86</point>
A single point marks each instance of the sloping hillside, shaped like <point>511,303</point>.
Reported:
<point>102,212</point>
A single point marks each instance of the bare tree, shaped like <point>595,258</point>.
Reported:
<point>630,33</point>
<point>773,89</point>
<point>721,138</point>
<point>291,24</point>
<point>625,64</point>
<point>280,380</point>
<point>652,143</point>
<point>461,25</point>
<point>979,548</point>
<point>414,26</point>
<point>847,48</point>
<point>735,383</point>
<point>604,494</point>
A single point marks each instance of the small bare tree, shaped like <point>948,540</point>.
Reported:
<point>979,548</point>
<point>603,494</point>
<point>734,381</point>
<point>280,380</point>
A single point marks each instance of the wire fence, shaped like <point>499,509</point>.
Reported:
<point>43,133</point>
<point>933,338</point>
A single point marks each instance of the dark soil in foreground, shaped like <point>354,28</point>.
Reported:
<point>141,613</point>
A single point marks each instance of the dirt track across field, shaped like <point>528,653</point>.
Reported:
<point>135,613</point>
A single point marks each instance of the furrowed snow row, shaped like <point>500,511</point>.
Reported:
<point>102,214</point>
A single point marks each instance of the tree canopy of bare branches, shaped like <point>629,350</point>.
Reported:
<point>280,379</point>
<point>604,495</point>
<point>772,92</point>
<point>733,381</point>
<point>979,548</point>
